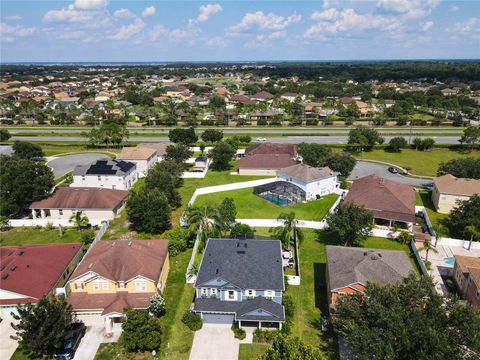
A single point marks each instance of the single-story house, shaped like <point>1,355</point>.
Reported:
<point>143,157</point>
<point>29,272</point>
<point>267,158</point>
<point>448,190</point>
<point>349,269</point>
<point>115,275</point>
<point>466,274</point>
<point>241,281</point>
<point>95,203</point>
<point>390,202</point>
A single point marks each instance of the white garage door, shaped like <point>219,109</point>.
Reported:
<point>217,319</point>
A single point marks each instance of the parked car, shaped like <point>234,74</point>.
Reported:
<point>261,139</point>
<point>393,170</point>
<point>73,336</point>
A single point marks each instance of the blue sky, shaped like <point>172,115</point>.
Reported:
<point>103,30</point>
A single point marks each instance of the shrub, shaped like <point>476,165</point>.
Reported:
<point>49,226</point>
<point>238,333</point>
<point>87,236</point>
<point>157,306</point>
<point>264,336</point>
<point>177,240</point>
<point>289,306</point>
<point>262,122</point>
<point>193,321</point>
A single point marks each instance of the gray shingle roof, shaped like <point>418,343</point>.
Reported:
<point>246,264</point>
<point>257,309</point>
<point>105,166</point>
<point>347,265</point>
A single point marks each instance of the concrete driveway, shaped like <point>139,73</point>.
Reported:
<point>7,345</point>
<point>64,164</point>
<point>214,342</point>
<point>365,168</point>
<point>93,338</point>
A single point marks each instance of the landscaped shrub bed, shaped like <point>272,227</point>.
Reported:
<point>193,321</point>
<point>238,333</point>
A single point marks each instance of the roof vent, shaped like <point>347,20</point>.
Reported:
<point>13,268</point>
<point>240,252</point>
<point>365,253</point>
<point>20,253</point>
<point>129,243</point>
<point>245,245</point>
<point>379,255</point>
<point>216,272</point>
<point>374,257</point>
<point>238,244</point>
<point>4,276</point>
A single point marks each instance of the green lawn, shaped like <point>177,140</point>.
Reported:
<point>251,351</point>
<point>34,236</point>
<point>310,297</point>
<point>250,206</point>
<point>437,219</point>
<point>421,162</point>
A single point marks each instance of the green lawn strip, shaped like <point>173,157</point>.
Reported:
<point>421,162</point>
<point>424,198</point>
<point>251,351</point>
<point>107,351</point>
<point>32,236</point>
<point>250,206</point>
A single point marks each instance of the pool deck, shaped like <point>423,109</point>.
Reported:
<point>439,267</point>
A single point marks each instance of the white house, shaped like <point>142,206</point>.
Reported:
<point>143,157</point>
<point>106,173</point>
<point>316,182</point>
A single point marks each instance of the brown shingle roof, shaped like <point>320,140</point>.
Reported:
<point>136,153</point>
<point>272,148</point>
<point>471,265</point>
<point>385,198</point>
<point>307,173</point>
<point>266,161</point>
<point>121,260</point>
<point>457,186</point>
<point>109,303</point>
<point>81,198</point>
<point>160,148</point>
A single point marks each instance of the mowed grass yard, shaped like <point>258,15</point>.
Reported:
<point>437,219</point>
<point>423,163</point>
<point>250,206</point>
<point>251,351</point>
<point>36,236</point>
<point>310,298</point>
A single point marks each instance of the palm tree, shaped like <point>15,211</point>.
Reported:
<point>205,220</point>
<point>289,232</point>
<point>474,233</point>
<point>79,220</point>
<point>427,246</point>
<point>193,271</point>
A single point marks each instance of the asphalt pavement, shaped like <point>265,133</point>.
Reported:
<point>64,164</point>
<point>365,168</point>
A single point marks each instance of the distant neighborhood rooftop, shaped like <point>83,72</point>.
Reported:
<point>272,148</point>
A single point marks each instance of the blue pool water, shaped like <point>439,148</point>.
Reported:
<point>276,199</point>
<point>449,261</point>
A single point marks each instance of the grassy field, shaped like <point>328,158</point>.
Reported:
<point>250,206</point>
<point>251,351</point>
<point>32,236</point>
<point>421,162</point>
<point>437,219</point>
<point>310,297</point>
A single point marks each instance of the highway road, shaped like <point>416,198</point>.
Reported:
<point>330,140</point>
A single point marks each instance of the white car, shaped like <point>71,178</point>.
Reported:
<point>261,139</point>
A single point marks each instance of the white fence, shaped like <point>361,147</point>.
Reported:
<point>275,223</point>
<point>458,243</point>
<point>44,222</point>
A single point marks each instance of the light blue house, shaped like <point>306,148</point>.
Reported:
<point>241,281</point>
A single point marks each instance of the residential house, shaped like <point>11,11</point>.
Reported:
<point>143,157</point>
<point>289,96</point>
<point>106,173</point>
<point>241,281</point>
<point>449,92</point>
<point>391,202</point>
<point>448,190</point>
<point>95,203</point>
<point>267,158</point>
<point>466,274</point>
<point>28,273</point>
<point>116,275</point>
<point>349,269</point>
<point>314,182</point>
<point>160,148</point>
<point>262,96</point>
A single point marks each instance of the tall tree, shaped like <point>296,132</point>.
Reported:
<point>206,220</point>
<point>79,220</point>
<point>141,332</point>
<point>468,167</point>
<point>350,223</point>
<point>471,136</point>
<point>291,348</point>
<point>221,156</point>
<point>427,247</point>
<point>166,178</point>
<point>4,135</point>
<point>148,211</point>
<point>212,135</point>
<point>41,327</point>
<point>183,136</point>
<point>409,320</point>
<point>363,138</point>
<point>228,212</point>
<point>466,214</point>
<point>26,150</point>
<point>178,153</point>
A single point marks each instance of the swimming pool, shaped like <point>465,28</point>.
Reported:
<point>276,199</point>
<point>450,261</point>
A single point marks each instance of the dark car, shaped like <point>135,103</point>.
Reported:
<point>393,170</point>
<point>74,334</point>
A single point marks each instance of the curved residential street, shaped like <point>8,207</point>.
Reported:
<point>64,164</point>
<point>365,168</point>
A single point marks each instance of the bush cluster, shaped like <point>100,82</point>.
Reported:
<point>238,333</point>
<point>193,321</point>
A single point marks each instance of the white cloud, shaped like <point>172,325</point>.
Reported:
<point>263,21</point>
<point>470,26</point>
<point>80,11</point>
<point>127,31</point>
<point>453,8</point>
<point>207,10</point>
<point>149,11</point>
<point>14,17</point>
<point>216,41</point>
<point>408,9</point>
<point>333,21</point>
<point>157,31</point>
<point>10,33</point>
<point>89,4</point>
<point>123,13</point>
<point>427,25</point>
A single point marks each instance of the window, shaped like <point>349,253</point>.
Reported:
<point>99,178</point>
<point>60,212</point>
<point>204,291</point>
<point>96,286</point>
<point>250,292</point>
<point>231,295</point>
<point>105,285</point>
<point>269,293</point>
<point>121,285</point>
<point>213,291</point>
<point>140,286</point>
<point>114,187</point>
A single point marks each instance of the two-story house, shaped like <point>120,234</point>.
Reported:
<point>106,173</point>
<point>143,157</point>
<point>241,281</point>
<point>449,190</point>
<point>115,275</point>
<point>466,274</point>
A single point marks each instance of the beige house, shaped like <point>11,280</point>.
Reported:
<point>448,190</point>
<point>116,275</point>
<point>143,157</point>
